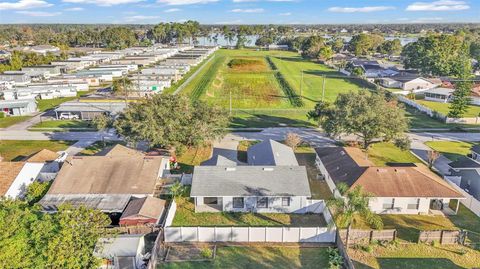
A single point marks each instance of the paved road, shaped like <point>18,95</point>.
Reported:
<point>426,136</point>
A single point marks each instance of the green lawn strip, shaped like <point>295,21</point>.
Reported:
<point>65,124</point>
<point>453,150</point>
<point>17,150</point>
<point>186,216</point>
<point>98,146</point>
<point>260,257</point>
<point>264,118</point>
<point>9,121</point>
<point>383,153</point>
<point>191,157</point>
<point>46,104</point>
<point>416,256</point>
<point>444,108</point>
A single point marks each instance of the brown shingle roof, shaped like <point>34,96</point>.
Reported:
<point>348,166</point>
<point>8,172</point>
<point>415,181</point>
<point>120,150</point>
<point>107,175</point>
<point>148,207</point>
<point>42,156</point>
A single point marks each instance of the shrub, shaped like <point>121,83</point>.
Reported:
<point>335,260</point>
<point>206,253</point>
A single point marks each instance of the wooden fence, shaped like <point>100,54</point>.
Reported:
<point>347,262</point>
<point>136,229</point>
<point>367,236</point>
<point>444,237</point>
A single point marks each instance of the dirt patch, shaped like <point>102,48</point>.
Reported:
<point>248,65</point>
<point>190,252</point>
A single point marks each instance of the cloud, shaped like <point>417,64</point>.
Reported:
<point>442,5</point>
<point>39,13</point>
<point>185,2</point>
<point>24,4</point>
<point>243,1</point>
<point>103,2</point>
<point>172,10</point>
<point>359,9</point>
<point>247,10</point>
<point>285,14</point>
<point>140,18</point>
<point>74,9</point>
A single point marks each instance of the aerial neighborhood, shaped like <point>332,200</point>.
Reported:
<point>240,141</point>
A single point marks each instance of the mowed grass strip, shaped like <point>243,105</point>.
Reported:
<point>444,108</point>
<point>453,150</point>
<point>18,150</point>
<point>259,257</point>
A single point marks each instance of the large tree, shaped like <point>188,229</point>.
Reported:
<point>171,121</point>
<point>311,46</point>
<point>391,47</point>
<point>31,239</point>
<point>438,55</point>
<point>365,44</point>
<point>369,116</point>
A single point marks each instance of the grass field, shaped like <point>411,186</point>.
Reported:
<point>444,108</point>
<point>17,150</point>
<point>383,153</point>
<point>64,124</point>
<point>9,121</point>
<point>453,150</point>
<point>259,257</point>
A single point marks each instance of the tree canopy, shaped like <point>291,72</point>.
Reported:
<point>32,239</point>
<point>171,121</point>
<point>365,44</point>
<point>369,116</point>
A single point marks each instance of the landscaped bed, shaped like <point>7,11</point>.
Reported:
<point>17,150</point>
<point>186,216</point>
<point>260,257</point>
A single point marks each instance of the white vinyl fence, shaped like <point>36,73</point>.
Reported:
<point>250,234</point>
<point>470,202</point>
<point>422,108</point>
<point>254,234</point>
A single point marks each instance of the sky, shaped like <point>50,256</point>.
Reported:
<point>239,11</point>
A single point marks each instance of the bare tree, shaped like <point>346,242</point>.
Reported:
<point>432,156</point>
<point>292,140</point>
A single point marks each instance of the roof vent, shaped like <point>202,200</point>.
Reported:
<point>381,170</point>
<point>268,169</point>
<point>229,169</point>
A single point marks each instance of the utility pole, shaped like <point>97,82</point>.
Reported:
<point>323,89</point>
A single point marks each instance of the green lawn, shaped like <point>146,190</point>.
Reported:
<point>383,153</point>
<point>260,258</point>
<point>98,146</point>
<point>9,121</point>
<point>64,124</point>
<point>186,216</point>
<point>416,256</point>
<point>444,108</point>
<point>17,150</point>
<point>193,156</point>
<point>453,150</point>
<point>264,118</point>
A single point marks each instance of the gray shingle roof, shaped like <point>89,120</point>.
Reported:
<point>340,166</point>
<point>250,181</point>
<point>270,152</point>
<point>476,149</point>
<point>219,160</point>
<point>464,162</point>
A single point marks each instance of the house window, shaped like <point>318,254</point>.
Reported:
<point>286,201</point>
<point>413,204</point>
<point>388,203</point>
<point>210,200</point>
<point>238,202</point>
<point>262,202</point>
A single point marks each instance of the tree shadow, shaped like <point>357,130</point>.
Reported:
<point>266,121</point>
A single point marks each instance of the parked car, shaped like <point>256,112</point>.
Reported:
<point>69,116</point>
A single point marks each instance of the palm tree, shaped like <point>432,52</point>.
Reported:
<point>352,205</point>
<point>122,85</point>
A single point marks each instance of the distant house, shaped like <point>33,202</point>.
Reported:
<point>443,95</point>
<point>15,177</point>
<point>399,189</point>
<point>121,252</point>
<point>373,69</point>
<point>17,77</point>
<point>89,110</point>
<point>106,182</point>
<point>272,182</point>
<point>43,71</point>
<point>277,47</point>
<point>467,169</point>
<point>43,49</point>
<point>142,211</point>
<point>409,82</point>
<point>475,96</point>
<point>18,107</point>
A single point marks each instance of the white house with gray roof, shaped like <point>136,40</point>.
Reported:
<point>272,182</point>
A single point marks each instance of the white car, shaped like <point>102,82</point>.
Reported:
<point>68,116</point>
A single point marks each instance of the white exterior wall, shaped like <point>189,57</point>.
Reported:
<point>475,100</point>
<point>27,175</point>
<point>417,83</point>
<point>250,203</point>
<point>400,206</point>
<point>437,99</point>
